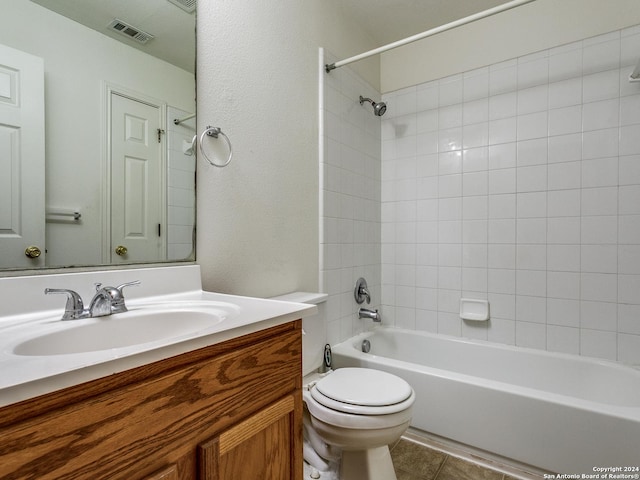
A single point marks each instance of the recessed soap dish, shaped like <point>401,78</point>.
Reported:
<point>475,310</point>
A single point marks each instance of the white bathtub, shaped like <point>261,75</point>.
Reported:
<point>560,413</point>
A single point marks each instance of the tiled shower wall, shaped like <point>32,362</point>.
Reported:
<point>350,200</point>
<point>181,162</point>
<point>519,183</point>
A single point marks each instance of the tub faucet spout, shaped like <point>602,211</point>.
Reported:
<point>371,314</point>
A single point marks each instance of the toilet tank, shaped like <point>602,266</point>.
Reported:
<point>314,337</point>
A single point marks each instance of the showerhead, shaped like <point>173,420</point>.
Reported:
<point>378,108</point>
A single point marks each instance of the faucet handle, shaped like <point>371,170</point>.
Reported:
<point>74,307</point>
<point>117,295</point>
<point>128,284</point>
<point>361,292</point>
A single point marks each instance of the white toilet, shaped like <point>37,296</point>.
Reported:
<point>355,412</point>
<point>361,411</point>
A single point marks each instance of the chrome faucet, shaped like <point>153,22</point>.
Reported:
<point>106,301</point>
<point>361,292</point>
<point>74,308</point>
<point>371,314</point>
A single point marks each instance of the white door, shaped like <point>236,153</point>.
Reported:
<point>21,159</point>
<point>137,226</point>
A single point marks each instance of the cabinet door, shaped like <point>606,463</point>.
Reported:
<point>265,446</point>
<point>169,473</point>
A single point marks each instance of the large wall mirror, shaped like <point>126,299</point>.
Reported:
<point>97,121</point>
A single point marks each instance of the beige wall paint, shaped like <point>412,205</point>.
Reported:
<point>520,31</point>
<point>258,80</point>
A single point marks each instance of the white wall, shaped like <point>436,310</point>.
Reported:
<point>77,61</point>
<point>258,81</point>
<point>520,183</point>
<point>529,28</point>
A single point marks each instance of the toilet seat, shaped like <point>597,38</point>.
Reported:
<point>363,391</point>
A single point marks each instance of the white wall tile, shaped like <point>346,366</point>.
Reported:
<point>532,152</point>
<point>532,205</point>
<point>518,182</point>
<point>531,100</point>
<point>531,335</point>
<point>565,148</point>
<point>564,176</point>
<point>563,258</point>
<point>599,287</point>
<point>628,229</point>
<point>600,344</point>
<point>564,230</point>
<point>600,115</point>
<point>563,339</point>
<point>476,111</point>
<point>629,349</point>
<point>564,285</point>
<point>601,56</point>
<point>449,117</point>
<point>502,206</point>
<point>600,86</point>
<point>563,312</point>
<point>476,84</point>
<point>502,181</point>
<point>565,93</point>
<point>567,120</point>
<point>599,258</point>
<point>450,91</point>
<point>629,140</point>
<point>502,281</point>
<point>503,77</point>
<point>532,179</point>
<point>598,315</point>
<point>629,319</point>
<point>533,125</point>
<point>600,143</point>
<point>503,130</point>
<point>565,64</point>
<point>563,203</point>
<point>599,230</point>
<point>599,201</point>
<point>503,106</point>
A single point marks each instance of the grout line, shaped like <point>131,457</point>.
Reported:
<point>441,467</point>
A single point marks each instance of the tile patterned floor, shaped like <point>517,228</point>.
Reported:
<point>417,462</point>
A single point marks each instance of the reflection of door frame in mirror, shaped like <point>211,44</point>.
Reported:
<point>110,89</point>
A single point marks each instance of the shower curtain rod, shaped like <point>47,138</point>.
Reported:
<point>457,23</point>
<point>178,121</point>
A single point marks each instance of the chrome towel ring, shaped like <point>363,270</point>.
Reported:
<point>214,132</point>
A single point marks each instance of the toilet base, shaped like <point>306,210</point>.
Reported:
<point>371,464</point>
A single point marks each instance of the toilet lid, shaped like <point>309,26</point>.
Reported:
<point>347,389</point>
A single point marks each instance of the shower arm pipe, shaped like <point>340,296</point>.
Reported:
<point>434,31</point>
<point>178,121</point>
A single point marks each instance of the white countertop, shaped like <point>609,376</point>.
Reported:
<point>27,376</point>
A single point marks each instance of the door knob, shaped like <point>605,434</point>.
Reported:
<point>32,252</point>
<point>121,250</point>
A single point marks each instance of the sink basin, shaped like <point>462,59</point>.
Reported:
<point>123,330</point>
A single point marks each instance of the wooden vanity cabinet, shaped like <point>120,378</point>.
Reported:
<point>229,411</point>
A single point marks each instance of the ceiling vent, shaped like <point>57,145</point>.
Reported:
<point>130,31</point>
<point>188,6</point>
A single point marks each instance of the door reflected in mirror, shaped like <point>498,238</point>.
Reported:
<point>102,169</point>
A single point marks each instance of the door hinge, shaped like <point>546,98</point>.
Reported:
<point>160,133</point>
